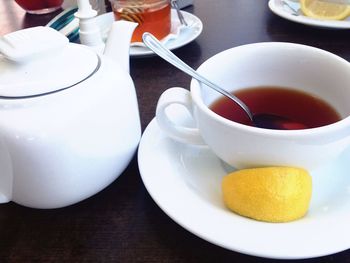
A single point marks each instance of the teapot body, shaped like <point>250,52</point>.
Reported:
<point>60,148</point>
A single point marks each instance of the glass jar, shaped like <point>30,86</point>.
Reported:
<point>152,16</point>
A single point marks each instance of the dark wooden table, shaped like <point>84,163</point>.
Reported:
<point>122,223</point>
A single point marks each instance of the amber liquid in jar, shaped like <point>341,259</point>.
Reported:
<point>152,16</point>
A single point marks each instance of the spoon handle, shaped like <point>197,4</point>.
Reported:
<point>157,47</point>
<point>179,14</point>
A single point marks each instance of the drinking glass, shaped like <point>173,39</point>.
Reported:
<point>39,7</point>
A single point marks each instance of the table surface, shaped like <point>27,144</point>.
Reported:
<point>122,223</point>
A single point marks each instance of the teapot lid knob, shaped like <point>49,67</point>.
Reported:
<point>29,43</point>
<point>40,60</point>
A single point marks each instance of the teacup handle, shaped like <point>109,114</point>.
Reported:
<point>172,129</point>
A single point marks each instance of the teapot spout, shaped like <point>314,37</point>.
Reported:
<point>118,42</point>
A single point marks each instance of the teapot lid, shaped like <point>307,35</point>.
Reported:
<point>40,60</point>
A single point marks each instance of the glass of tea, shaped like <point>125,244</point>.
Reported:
<point>152,16</point>
<point>39,7</point>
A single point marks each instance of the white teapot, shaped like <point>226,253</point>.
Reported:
<point>69,119</point>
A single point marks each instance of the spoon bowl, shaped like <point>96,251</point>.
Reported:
<point>268,121</point>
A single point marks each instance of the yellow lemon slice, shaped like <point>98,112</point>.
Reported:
<point>323,10</point>
<point>271,194</point>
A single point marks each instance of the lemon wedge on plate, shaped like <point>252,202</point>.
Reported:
<point>271,194</point>
<point>324,10</point>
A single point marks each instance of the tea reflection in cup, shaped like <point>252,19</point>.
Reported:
<point>285,65</point>
<point>151,15</point>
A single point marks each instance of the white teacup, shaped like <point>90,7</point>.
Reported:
<point>300,67</point>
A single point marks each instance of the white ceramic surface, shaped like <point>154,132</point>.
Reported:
<point>42,45</point>
<point>282,10</point>
<point>185,182</point>
<point>284,65</point>
<point>60,147</point>
<point>179,36</point>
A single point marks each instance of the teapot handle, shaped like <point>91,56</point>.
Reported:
<point>6,175</point>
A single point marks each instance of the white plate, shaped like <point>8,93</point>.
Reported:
<point>185,36</point>
<point>282,9</point>
<point>185,182</point>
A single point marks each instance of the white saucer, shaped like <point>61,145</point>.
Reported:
<point>185,182</point>
<point>283,8</point>
<point>180,36</point>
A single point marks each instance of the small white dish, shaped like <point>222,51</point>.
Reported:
<point>284,8</point>
<point>185,182</point>
<point>178,37</point>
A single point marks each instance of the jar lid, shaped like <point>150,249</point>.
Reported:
<point>40,60</point>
